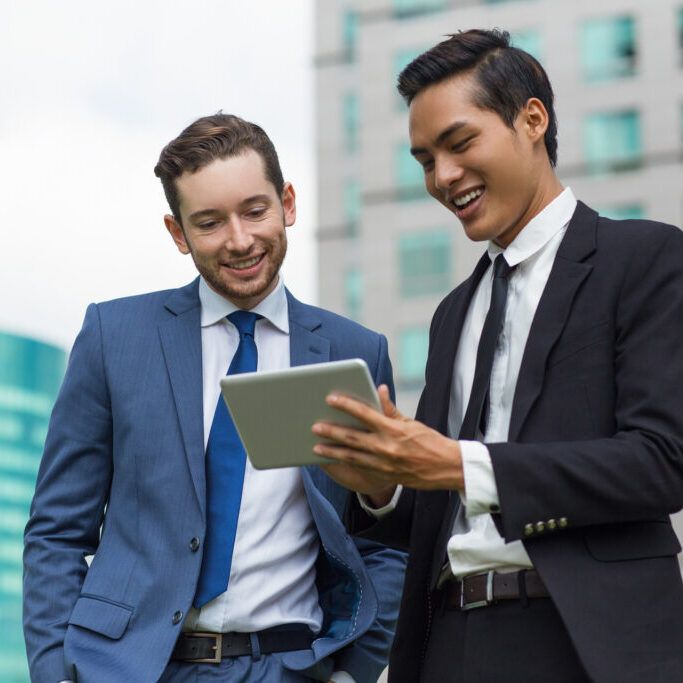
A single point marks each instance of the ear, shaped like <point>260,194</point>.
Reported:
<point>289,204</point>
<point>176,231</point>
<point>534,119</point>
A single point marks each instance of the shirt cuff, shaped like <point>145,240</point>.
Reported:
<point>342,677</point>
<point>378,513</point>
<point>481,492</point>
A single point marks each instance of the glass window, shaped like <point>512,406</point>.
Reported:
<point>612,141</point>
<point>352,203</point>
<point>353,292</point>
<point>409,174</point>
<point>401,60</point>
<point>413,344</point>
<point>622,211</point>
<point>529,41</point>
<point>350,30</point>
<point>608,48</point>
<point>403,57</point>
<point>409,8</point>
<point>425,263</point>
<point>351,121</point>
<point>30,374</point>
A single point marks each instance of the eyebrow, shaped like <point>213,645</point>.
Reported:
<point>212,212</point>
<point>440,138</point>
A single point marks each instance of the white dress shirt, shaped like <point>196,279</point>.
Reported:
<point>476,546</point>
<point>272,576</point>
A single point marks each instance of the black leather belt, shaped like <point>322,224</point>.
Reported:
<point>481,590</point>
<point>211,648</point>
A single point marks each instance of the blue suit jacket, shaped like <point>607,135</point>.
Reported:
<point>125,453</point>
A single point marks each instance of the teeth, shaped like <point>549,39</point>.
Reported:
<point>461,201</point>
<point>245,264</point>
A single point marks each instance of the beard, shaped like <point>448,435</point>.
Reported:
<point>246,293</point>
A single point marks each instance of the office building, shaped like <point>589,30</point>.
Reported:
<point>30,374</point>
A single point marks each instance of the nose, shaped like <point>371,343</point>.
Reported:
<point>238,238</point>
<point>446,172</point>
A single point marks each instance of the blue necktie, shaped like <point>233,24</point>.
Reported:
<point>225,462</point>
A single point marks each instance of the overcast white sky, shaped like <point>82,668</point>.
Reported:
<point>90,94</point>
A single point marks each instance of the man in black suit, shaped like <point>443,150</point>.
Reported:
<point>535,486</point>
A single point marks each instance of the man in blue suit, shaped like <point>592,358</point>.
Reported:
<point>203,567</point>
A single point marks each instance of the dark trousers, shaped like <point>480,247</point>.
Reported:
<point>505,642</point>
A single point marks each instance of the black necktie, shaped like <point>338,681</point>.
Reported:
<point>477,407</point>
<point>476,414</point>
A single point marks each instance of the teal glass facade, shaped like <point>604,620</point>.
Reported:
<point>353,293</point>
<point>623,211</point>
<point>409,174</point>
<point>351,115</point>
<point>350,31</point>
<point>424,263</point>
<point>401,60</point>
<point>413,344</point>
<point>411,8</point>
<point>30,375</point>
<point>612,141</point>
<point>352,205</point>
<point>608,48</point>
<point>529,41</point>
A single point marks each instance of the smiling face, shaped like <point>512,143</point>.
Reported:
<point>233,225</point>
<point>494,178</point>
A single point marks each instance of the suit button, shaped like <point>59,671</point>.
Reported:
<point>528,529</point>
<point>194,544</point>
<point>551,524</point>
<point>540,527</point>
<point>177,617</point>
<point>562,522</point>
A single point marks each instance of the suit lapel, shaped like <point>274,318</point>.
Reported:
<point>445,344</point>
<point>182,347</point>
<point>306,346</point>
<point>567,275</point>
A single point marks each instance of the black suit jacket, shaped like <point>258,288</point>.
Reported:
<point>596,440</point>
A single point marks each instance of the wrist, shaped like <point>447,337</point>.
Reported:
<point>457,472</point>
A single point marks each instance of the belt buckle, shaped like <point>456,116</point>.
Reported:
<point>217,648</point>
<point>464,606</point>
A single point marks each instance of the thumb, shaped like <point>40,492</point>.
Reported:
<point>388,408</point>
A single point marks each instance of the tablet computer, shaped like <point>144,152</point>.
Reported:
<point>275,410</point>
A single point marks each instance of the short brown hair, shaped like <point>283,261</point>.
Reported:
<point>210,138</point>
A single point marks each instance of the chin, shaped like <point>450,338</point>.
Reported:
<point>479,234</point>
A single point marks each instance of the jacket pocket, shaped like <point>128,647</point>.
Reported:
<point>632,541</point>
<point>575,342</point>
<point>102,616</point>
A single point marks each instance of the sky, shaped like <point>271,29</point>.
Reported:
<point>91,93</point>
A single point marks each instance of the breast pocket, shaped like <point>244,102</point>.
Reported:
<point>107,618</point>
<point>578,342</point>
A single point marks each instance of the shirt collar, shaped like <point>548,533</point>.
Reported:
<point>539,230</point>
<point>216,307</point>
